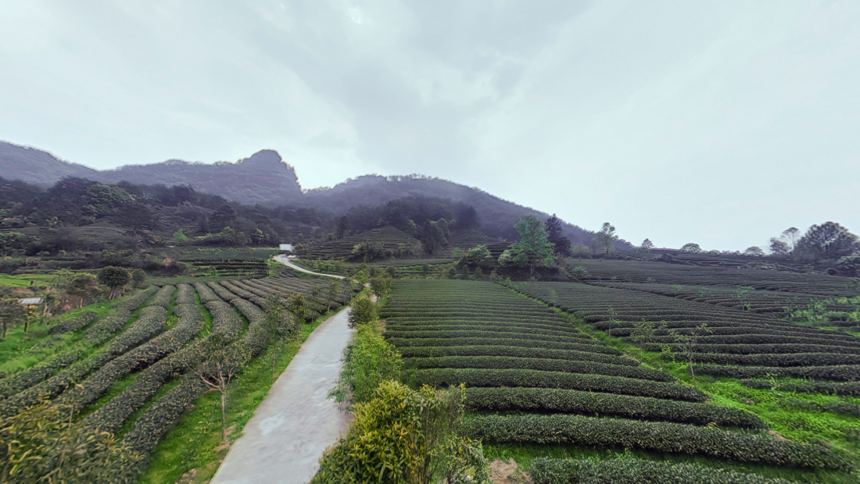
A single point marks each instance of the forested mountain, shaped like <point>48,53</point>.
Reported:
<point>266,179</point>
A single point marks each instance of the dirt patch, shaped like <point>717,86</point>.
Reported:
<point>502,472</point>
<point>777,436</point>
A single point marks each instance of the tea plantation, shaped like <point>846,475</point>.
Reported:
<point>137,370</point>
<point>560,372</point>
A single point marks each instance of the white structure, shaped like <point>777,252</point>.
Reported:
<point>287,247</point>
<point>30,301</point>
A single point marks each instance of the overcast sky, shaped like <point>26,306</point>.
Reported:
<point>716,122</point>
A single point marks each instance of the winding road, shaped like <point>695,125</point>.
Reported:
<point>285,261</point>
<point>296,422</point>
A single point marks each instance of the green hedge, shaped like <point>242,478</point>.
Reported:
<point>464,334</point>
<point>544,364</point>
<point>163,297</point>
<point>135,300</point>
<point>185,294</point>
<point>753,349</point>
<point>553,400</point>
<point>652,436</point>
<point>225,320</point>
<point>836,373</point>
<point>514,352</point>
<point>554,379</point>
<point>32,376</point>
<point>767,339</point>
<point>206,293</point>
<point>796,359</point>
<point>495,325</point>
<point>75,323</point>
<point>634,471</point>
<point>594,347</point>
<point>850,389</point>
<point>113,414</point>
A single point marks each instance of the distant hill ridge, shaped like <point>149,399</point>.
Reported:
<point>264,178</point>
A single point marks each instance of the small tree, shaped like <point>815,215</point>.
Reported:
<point>138,278</point>
<point>218,374</point>
<point>533,249</point>
<point>115,278</point>
<point>276,326</point>
<point>606,238</point>
<point>691,248</point>
<point>479,274</point>
<point>791,236</point>
<point>362,311</point>
<point>457,253</point>
<point>561,244</point>
<point>688,343</point>
<point>477,254</point>
<point>646,246</point>
<point>179,237</point>
<point>83,287</point>
<point>298,308</point>
<point>333,292</point>
<point>754,251</point>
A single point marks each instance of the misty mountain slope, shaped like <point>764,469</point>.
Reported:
<point>498,216</point>
<point>36,166</point>
<point>264,178</point>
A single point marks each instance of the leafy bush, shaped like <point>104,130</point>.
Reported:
<point>362,311</point>
<point>513,351</point>
<point>75,323</point>
<point>367,362</point>
<point>403,435</point>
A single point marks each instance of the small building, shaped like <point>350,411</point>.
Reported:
<point>287,247</point>
<point>30,301</point>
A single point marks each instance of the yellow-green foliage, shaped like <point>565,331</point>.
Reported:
<point>405,436</point>
<point>362,311</point>
<point>368,361</point>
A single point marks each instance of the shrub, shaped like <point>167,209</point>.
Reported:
<point>403,435</point>
<point>367,362</point>
<point>362,311</point>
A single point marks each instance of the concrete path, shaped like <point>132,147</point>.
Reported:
<point>296,422</point>
<point>283,260</point>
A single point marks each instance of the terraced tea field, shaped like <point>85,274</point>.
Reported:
<point>342,249</point>
<point>736,343</point>
<point>136,370</point>
<point>533,379</point>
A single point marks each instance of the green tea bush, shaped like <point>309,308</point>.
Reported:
<point>514,352</point>
<point>185,294</point>
<point>590,403</point>
<point>75,323</point>
<point>795,359</point>
<point>586,345</point>
<point>652,436</point>
<point>851,389</point>
<point>554,379</point>
<point>163,297</point>
<point>836,373</point>
<point>634,471</point>
<point>543,364</point>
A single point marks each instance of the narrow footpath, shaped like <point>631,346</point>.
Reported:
<point>283,260</point>
<point>296,422</point>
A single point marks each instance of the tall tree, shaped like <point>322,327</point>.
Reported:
<point>114,278</point>
<point>828,241</point>
<point>554,235</point>
<point>778,247</point>
<point>343,227</point>
<point>790,236</point>
<point>606,237</point>
<point>432,237</point>
<point>534,248</point>
<point>754,251</point>
<point>222,217</point>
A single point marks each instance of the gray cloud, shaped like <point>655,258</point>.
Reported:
<point>718,123</point>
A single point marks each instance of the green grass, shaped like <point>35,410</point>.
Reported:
<point>17,341</point>
<point>25,280</point>
<point>195,443</point>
